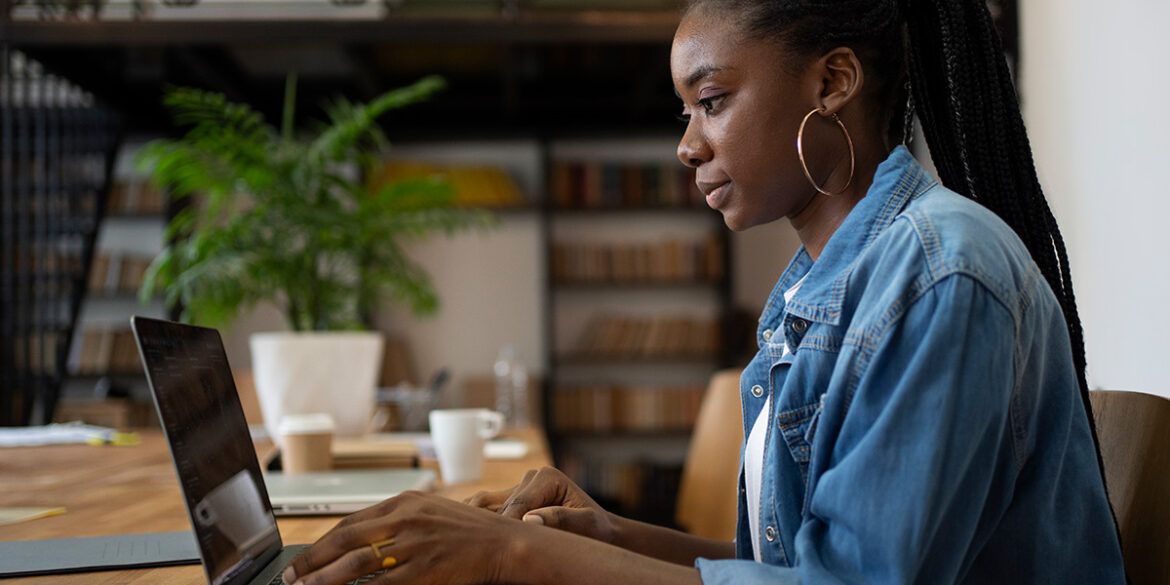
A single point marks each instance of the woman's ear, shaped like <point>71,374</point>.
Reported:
<point>841,79</point>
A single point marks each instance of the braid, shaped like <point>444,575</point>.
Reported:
<point>971,118</point>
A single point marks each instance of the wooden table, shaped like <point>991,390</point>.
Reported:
<point>124,490</point>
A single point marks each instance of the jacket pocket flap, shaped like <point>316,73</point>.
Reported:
<point>795,425</point>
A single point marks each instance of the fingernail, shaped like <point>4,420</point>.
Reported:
<point>289,577</point>
<point>533,519</point>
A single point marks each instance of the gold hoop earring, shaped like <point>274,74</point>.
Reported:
<point>804,165</point>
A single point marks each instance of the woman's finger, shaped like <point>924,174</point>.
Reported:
<point>538,490</point>
<point>490,500</point>
<point>336,544</point>
<point>575,520</point>
<point>352,565</point>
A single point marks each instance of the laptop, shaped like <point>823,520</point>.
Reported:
<point>227,497</point>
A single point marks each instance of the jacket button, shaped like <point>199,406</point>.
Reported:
<point>767,335</point>
<point>757,391</point>
<point>770,534</point>
<point>799,325</point>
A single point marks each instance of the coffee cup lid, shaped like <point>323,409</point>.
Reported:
<point>305,424</point>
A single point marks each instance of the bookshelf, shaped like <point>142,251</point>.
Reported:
<point>638,299</point>
<point>105,383</point>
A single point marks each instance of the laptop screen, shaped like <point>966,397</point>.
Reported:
<point>213,452</point>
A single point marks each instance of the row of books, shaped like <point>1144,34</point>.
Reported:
<point>656,336</point>
<point>624,408</point>
<point>135,197</point>
<point>667,261</point>
<point>108,351</point>
<point>117,273</point>
<point>39,350</point>
<point>638,489</point>
<point>56,203</point>
<point>474,185</point>
<point>59,257</point>
<point>612,185</point>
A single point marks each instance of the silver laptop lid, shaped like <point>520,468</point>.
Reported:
<point>341,492</point>
<point>187,370</point>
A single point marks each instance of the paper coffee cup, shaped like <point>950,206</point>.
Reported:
<point>307,442</point>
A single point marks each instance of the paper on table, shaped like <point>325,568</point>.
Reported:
<point>54,434</point>
<point>498,448</point>
<point>505,449</point>
<point>14,515</point>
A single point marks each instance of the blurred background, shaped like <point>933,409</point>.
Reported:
<point>603,280</point>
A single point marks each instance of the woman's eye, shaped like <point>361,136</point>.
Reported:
<point>711,103</point>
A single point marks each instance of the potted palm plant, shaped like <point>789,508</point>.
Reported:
<point>281,216</point>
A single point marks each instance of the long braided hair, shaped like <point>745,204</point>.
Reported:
<point>952,59</point>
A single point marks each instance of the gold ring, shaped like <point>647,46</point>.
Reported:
<point>376,546</point>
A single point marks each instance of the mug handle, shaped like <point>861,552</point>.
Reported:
<point>492,423</point>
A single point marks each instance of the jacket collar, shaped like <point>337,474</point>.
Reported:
<point>898,180</point>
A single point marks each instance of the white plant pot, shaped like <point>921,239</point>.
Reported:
<point>305,373</point>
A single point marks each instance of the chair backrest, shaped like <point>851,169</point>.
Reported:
<point>707,493</point>
<point>1134,433</point>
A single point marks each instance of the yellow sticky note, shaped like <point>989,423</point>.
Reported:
<point>14,515</point>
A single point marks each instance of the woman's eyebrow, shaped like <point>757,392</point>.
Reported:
<point>700,73</point>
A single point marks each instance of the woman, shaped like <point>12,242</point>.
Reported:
<point>921,358</point>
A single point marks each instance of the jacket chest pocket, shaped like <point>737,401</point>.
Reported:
<point>798,408</point>
<point>798,426</point>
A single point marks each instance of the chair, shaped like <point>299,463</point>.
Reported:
<point>1134,434</point>
<point>707,492</point>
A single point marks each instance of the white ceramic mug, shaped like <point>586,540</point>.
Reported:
<point>459,436</point>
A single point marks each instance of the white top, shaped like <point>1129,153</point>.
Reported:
<point>753,456</point>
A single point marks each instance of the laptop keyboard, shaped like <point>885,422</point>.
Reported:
<point>358,581</point>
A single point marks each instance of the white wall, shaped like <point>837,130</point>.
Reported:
<point>1094,92</point>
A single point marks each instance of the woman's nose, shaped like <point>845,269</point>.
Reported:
<point>693,149</point>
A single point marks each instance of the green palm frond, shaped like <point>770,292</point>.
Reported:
<point>349,124</point>
<point>284,219</point>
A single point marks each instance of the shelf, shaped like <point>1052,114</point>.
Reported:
<point>136,216</point>
<point>598,359</point>
<point>588,211</point>
<point>600,435</point>
<point>551,27</point>
<point>139,375</point>
<point>120,295</point>
<point>634,285</point>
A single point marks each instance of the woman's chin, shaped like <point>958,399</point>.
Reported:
<point>734,221</point>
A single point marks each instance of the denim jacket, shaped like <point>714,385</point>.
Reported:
<point>927,427</point>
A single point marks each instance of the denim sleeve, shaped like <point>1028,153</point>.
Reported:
<point>906,464</point>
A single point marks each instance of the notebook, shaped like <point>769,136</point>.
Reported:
<point>227,497</point>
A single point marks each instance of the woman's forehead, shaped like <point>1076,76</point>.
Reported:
<point>706,45</point>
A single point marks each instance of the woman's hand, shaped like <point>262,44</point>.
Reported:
<point>419,538</point>
<point>546,496</point>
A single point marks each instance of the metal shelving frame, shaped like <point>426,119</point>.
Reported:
<point>56,155</point>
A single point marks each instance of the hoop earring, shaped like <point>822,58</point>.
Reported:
<point>804,165</point>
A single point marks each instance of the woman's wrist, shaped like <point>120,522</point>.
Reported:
<point>521,564</point>
<point>620,530</point>
<point>537,555</point>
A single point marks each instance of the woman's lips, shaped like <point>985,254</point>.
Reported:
<point>717,195</point>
